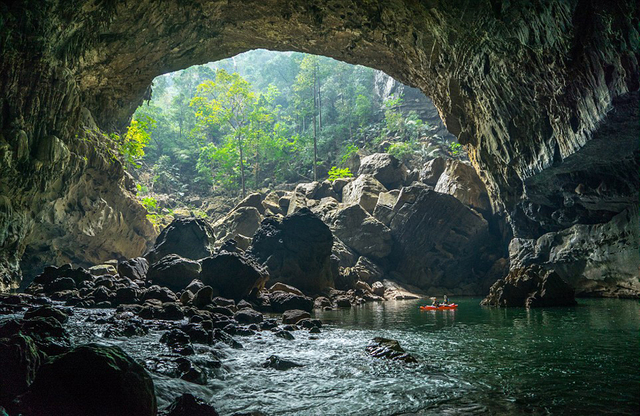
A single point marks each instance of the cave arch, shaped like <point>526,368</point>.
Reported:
<point>523,84</point>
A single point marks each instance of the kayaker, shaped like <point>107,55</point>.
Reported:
<point>446,300</point>
<point>435,302</point>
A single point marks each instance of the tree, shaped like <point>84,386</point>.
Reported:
<point>229,102</point>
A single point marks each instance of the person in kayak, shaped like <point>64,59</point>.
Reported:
<point>435,302</point>
<point>446,300</point>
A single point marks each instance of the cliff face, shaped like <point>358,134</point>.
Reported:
<point>526,85</point>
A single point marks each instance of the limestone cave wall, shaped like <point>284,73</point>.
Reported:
<point>525,85</point>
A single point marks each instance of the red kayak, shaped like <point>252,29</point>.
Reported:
<point>439,308</point>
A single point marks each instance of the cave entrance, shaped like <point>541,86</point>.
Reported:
<point>300,111</point>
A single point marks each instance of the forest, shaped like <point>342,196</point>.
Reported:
<point>261,119</point>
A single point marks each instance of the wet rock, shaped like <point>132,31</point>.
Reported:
<point>232,275</point>
<point>248,316</point>
<point>283,301</point>
<point>128,329</point>
<point>530,287</point>
<point>293,316</point>
<point>171,311</point>
<point>220,335</point>
<point>389,349</point>
<point>189,405</point>
<point>314,330</point>
<point>388,170</point>
<point>52,273</point>
<point>363,191</point>
<point>197,333</point>
<point>191,238</point>
<point>285,288</point>
<point>134,269</point>
<point>19,361</point>
<point>281,333</point>
<point>296,251</point>
<point>60,284</point>
<point>47,311</point>
<point>378,288</point>
<point>91,380</point>
<point>362,233</point>
<point>278,363</point>
<point>321,302</point>
<point>163,294</point>
<point>194,286</point>
<point>174,272</point>
<point>203,297</point>
<point>342,301</point>
<point>127,295</point>
<point>47,332</point>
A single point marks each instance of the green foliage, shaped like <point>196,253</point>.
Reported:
<point>150,204</point>
<point>455,148</point>
<point>348,151</point>
<point>402,150</point>
<point>131,145</point>
<point>335,173</point>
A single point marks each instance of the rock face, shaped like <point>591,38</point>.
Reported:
<point>296,251</point>
<point>92,380</point>
<point>438,241</point>
<point>531,287</point>
<point>191,238</point>
<point>580,258</point>
<point>64,200</point>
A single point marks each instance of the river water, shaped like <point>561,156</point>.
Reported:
<point>473,360</point>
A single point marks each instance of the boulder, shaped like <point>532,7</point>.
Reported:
<point>174,272</point>
<point>232,275</point>
<point>278,363</point>
<point>389,349</point>
<point>346,257</point>
<point>386,168</point>
<point>293,316</point>
<point>189,405</point>
<point>326,208</point>
<point>253,200</point>
<point>383,211</point>
<point>242,221</point>
<point>462,181</point>
<point>103,269</point>
<point>52,273</point>
<point>248,316</point>
<point>285,288</point>
<point>339,184</point>
<point>440,243</point>
<point>203,297</point>
<point>431,171</point>
<point>191,238</point>
<point>362,233</point>
<point>367,271</point>
<point>19,361</point>
<point>530,287</point>
<point>364,191</point>
<point>47,311</point>
<point>283,301</point>
<point>271,203</point>
<point>91,380</point>
<point>134,269</point>
<point>296,250</point>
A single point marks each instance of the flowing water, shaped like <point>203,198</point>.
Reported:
<point>474,360</point>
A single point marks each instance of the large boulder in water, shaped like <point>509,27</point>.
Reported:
<point>192,238</point>
<point>296,250</point>
<point>91,380</point>
<point>174,272</point>
<point>531,287</point>
<point>232,275</point>
<point>386,168</point>
<point>440,244</point>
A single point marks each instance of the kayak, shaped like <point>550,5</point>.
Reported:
<point>439,308</point>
